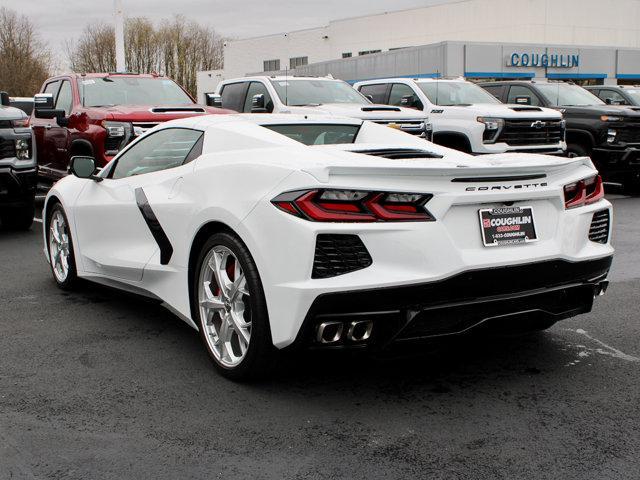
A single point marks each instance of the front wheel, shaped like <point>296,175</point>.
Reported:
<point>231,309</point>
<point>61,255</point>
<point>576,150</point>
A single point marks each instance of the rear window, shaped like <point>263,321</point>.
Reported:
<point>317,134</point>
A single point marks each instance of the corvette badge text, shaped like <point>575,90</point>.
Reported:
<point>506,187</point>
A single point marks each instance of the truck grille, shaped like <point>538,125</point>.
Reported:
<point>339,254</point>
<point>599,230</point>
<point>7,148</point>
<point>629,132</point>
<point>531,131</point>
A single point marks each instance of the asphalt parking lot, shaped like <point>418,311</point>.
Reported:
<point>101,385</point>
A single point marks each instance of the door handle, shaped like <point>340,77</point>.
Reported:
<point>48,126</point>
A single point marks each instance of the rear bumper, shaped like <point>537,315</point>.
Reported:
<point>542,291</point>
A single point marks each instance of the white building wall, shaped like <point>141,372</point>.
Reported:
<point>571,22</point>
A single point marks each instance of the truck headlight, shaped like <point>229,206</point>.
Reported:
<point>115,129</point>
<point>492,128</point>
<point>23,148</point>
<point>611,135</point>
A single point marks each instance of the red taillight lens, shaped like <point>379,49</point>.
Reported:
<point>354,206</point>
<point>583,192</point>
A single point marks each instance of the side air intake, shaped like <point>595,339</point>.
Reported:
<point>337,254</point>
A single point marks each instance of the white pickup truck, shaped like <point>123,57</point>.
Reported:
<point>313,96</point>
<point>467,118</point>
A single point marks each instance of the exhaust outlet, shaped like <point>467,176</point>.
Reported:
<point>329,332</point>
<point>360,330</point>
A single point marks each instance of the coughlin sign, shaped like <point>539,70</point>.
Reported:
<point>543,60</point>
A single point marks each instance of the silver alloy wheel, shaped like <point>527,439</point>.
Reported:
<point>223,297</point>
<point>59,246</point>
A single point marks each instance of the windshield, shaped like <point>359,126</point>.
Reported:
<point>567,95</point>
<point>117,90</point>
<point>302,92</point>
<point>317,134</point>
<point>455,93</point>
<point>634,94</point>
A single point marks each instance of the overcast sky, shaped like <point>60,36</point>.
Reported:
<point>61,20</point>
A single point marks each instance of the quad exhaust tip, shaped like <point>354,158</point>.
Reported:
<point>329,333</point>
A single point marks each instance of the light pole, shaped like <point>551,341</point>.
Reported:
<point>119,29</point>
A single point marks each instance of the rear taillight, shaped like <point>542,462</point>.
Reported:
<point>355,206</point>
<point>584,192</point>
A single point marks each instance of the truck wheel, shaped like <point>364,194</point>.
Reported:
<point>19,218</point>
<point>576,150</point>
<point>230,309</point>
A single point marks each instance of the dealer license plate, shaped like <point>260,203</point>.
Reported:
<point>507,226</point>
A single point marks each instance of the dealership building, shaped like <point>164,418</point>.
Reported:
<point>587,41</point>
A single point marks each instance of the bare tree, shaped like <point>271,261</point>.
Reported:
<point>177,48</point>
<point>24,60</point>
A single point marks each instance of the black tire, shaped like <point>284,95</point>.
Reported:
<point>71,280</point>
<point>577,150</point>
<point>260,355</point>
<point>632,186</point>
<point>19,218</point>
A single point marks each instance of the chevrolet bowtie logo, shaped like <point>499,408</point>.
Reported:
<point>538,124</point>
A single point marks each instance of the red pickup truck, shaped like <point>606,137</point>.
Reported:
<point>98,114</point>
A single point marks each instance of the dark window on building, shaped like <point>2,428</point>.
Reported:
<point>257,88</point>
<point>368,52</point>
<point>518,92</point>
<point>377,93</point>
<point>296,62</point>
<point>347,55</point>
<point>271,65</point>
<point>233,95</point>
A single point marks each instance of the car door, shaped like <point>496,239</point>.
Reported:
<point>377,92</point>
<point>257,88</point>
<point>116,227</point>
<point>399,91</point>
<point>41,128</point>
<point>57,137</point>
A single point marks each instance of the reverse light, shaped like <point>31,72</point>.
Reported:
<point>354,206</point>
<point>584,192</point>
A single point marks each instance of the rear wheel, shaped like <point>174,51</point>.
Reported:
<point>61,255</point>
<point>231,309</point>
<point>19,218</point>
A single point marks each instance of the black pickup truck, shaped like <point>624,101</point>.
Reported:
<point>609,134</point>
<point>18,169</point>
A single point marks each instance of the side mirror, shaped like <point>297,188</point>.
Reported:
<point>410,101</point>
<point>257,104</point>
<point>4,99</point>
<point>84,167</point>
<point>524,100</point>
<point>213,100</point>
<point>369,97</point>
<point>44,107</point>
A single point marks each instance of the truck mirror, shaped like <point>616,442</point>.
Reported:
<point>369,97</point>
<point>213,100</point>
<point>523,100</point>
<point>410,101</point>
<point>257,104</point>
<point>43,107</point>
<point>4,99</point>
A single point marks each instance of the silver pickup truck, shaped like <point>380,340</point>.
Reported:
<point>18,168</point>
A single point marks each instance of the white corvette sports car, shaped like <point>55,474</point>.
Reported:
<point>273,232</point>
